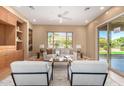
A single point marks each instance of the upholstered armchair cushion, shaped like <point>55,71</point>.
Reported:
<point>88,66</point>
<point>31,72</point>
<point>88,73</point>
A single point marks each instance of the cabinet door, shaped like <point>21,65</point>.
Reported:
<point>20,55</point>
<point>2,61</point>
<point>9,57</point>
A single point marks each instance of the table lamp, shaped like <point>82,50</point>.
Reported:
<point>78,47</point>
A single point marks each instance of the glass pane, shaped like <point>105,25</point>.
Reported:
<point>102,41</point>
<point>50,39</point>
<point>59,39</point>
<point>117,50</point>
<point>69,40</point>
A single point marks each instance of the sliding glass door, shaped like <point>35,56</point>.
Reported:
<point>111,44</point>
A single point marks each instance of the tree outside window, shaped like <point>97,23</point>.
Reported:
<point>60,39</point>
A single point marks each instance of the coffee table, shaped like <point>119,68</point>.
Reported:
<point>60,59</point>
<point>64,58</point>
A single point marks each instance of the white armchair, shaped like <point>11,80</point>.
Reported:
<point>27,73</point>
<point>88,73</point>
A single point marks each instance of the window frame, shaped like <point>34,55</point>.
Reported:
<point>53,38</point>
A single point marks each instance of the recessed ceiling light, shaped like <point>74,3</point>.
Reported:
<point>60,20</point>
<point>86,21</point>
<point>102,8</point>
<point>34,20</point>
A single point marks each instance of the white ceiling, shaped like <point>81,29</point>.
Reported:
<point>47,15</point>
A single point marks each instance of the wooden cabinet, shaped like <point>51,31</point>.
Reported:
<point>2,61</point>
<point>7,27</point>
<point>11,29</point>
<point>19,55</point>
<point>11,39</point>
<point>8,57</point>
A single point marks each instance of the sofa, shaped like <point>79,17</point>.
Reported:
<point>31,73</point>
<point>87,73</point>
<point>50,53</point>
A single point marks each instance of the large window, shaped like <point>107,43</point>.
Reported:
<point>60,39</point>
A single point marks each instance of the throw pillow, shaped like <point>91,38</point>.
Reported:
<point>49,51</point>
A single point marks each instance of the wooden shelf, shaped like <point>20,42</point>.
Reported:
<point>19,31</point>
<point>19,41</point>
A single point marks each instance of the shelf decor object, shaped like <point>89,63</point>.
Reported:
<point>78,48</point>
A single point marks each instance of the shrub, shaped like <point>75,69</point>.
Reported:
<point>105,47</point>
<point>122,48</point>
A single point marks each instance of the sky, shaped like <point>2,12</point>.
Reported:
<point>113,34</point>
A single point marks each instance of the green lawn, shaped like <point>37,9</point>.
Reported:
<point>119,52</point>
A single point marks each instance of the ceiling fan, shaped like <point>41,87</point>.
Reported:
<point>62,16</point>
<point>31,7</point>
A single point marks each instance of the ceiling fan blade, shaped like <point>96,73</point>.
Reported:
<point>65,13</point>
<point>67,18</point>
<point>31,7</point>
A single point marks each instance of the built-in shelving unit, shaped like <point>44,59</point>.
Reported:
<point>12,30</point>
<point>19,37</point>
<point>19,31</point>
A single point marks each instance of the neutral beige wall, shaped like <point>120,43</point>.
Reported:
<point>91,34</point>
<point>40,35</point>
